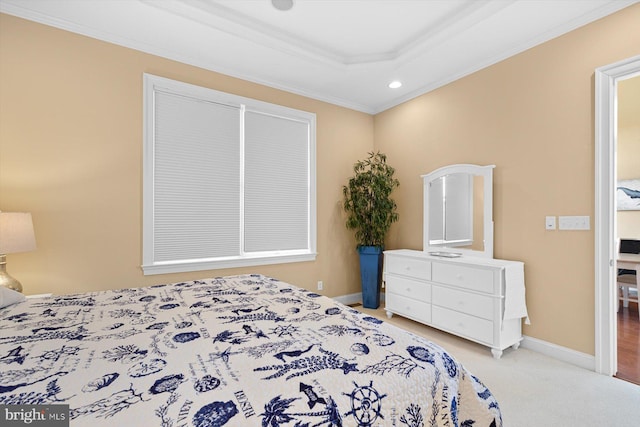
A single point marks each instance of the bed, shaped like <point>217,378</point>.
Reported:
<point>237,351</point>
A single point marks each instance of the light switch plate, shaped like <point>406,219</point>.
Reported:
<point>574,223</point>
<point>550,222</point>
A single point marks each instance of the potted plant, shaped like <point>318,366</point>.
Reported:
<point>370,212</point>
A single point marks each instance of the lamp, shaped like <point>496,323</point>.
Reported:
<point>16,235</point>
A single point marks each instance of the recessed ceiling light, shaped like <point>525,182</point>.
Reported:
<point>282,4</point>
<point>395,84</point>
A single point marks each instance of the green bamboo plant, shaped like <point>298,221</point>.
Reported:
<point>367,200</point>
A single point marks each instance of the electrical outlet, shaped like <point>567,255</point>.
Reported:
<point>320,285</point>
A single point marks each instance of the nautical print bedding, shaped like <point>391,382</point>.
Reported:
<point>237,351</point>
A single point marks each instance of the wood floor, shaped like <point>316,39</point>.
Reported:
<point>629,344</point>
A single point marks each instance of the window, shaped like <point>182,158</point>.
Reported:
<point>228,181</point>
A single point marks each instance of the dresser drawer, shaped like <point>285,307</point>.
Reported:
<point>477,279</point>
<point>406,266</point>
<point>463,324</point>
<point>417,310</point>
<point>465,302</point>
<point>408,288</point>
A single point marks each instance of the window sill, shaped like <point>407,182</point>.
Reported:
<point>200,265</point>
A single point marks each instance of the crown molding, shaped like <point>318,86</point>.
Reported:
<point>361,77</point>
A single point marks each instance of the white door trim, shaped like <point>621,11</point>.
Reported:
<point>606,79</point>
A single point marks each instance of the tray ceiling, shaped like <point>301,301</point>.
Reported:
<point>340,51</point>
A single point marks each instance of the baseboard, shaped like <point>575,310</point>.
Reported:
<point>354,298</point>
<point>563,354</point>
<point>349,299</point>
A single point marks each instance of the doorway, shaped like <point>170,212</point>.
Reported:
<point>628,219</point>
<point>606,82</point>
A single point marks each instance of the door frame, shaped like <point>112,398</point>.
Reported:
<point>606,85</point>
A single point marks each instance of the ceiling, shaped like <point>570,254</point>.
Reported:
<point>340,51</point>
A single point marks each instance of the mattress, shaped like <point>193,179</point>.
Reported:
<point>238,351</point>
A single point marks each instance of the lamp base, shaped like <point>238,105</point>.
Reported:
<point>5,278</point>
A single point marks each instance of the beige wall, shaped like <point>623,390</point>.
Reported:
<point>628,155</point>
<point>533,117</point>
<point>71,153</point>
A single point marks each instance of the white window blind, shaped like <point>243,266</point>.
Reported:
<point>197,184</point>
<point>276,183</point>
<point>228,181</point>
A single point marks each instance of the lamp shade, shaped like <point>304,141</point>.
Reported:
<point>16,232</point>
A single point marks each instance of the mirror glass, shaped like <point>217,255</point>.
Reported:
<point>453,220</point>
<point>458,210</point>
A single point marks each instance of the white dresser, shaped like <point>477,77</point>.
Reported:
<point>480,299</point>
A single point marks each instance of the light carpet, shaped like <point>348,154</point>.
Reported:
<point>535,390</point>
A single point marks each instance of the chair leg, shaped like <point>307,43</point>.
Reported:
<point>618,305</point>
<point>625,296</point>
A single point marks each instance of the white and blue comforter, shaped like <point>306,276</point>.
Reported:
<point>236,351</point>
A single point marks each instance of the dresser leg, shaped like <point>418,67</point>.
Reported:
<point>497,354</point>
<point>516,345</point>
<point>389,314</point>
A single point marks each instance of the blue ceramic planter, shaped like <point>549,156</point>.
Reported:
<point>370,275</point>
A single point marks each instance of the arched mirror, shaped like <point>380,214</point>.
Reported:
<point>458,211</point>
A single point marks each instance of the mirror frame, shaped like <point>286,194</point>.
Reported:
<point>487,173</point>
